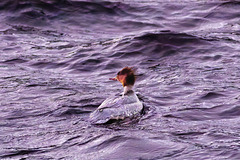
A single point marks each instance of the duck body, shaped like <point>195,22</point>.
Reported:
<point>117,107</point>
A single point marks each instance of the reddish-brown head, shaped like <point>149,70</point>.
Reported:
<point>126,76</point>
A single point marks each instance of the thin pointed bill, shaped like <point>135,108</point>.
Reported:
<point>113,79</point>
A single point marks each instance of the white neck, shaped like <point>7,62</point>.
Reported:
<point>126,89</point>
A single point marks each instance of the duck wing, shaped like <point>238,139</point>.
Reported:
<point>114,101</point>
<point>106,110</point>
<point>116,108</point>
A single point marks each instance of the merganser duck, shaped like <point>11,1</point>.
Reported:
<point>119,107</point>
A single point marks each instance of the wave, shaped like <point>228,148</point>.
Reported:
<point>156,45</point>
<point>54,8</point>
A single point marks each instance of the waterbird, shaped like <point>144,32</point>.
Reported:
<point>119,107</point>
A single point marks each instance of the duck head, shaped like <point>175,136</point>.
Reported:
<point>127,77</point>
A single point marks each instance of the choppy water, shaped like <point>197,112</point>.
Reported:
<point>56,58</point>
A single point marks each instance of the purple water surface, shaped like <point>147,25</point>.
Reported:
<point>56,58</point>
